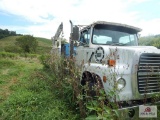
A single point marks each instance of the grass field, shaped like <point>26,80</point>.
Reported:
<point>26,90</point>
<point>26,94</point>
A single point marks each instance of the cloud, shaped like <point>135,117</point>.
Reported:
<point>137,1</point>
<point>46,15</point>
<point>151,27</point>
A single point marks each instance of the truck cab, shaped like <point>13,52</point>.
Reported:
<point>110,52</point>
<point>105,34</point>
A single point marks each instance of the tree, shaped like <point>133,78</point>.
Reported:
<point>27,43</point>
<point>150,41</point>
<point>6,33</point>
<point>156,42</point>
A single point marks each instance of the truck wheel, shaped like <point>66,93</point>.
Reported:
<point>92,89</point>
<point>92,86</point>
<point>91,92</point>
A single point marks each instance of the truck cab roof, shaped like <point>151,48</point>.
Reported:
<point>136,29</point>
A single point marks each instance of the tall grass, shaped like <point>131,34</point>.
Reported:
<point>8,55</point>
<point>68,88</point>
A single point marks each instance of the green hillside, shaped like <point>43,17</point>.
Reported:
<point>7,41</point>
<point>44,45</point>
<point>44,41</point>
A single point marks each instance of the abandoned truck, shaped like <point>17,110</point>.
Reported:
<point>110,52</point>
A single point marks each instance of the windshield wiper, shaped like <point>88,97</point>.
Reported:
<point>114,44</point>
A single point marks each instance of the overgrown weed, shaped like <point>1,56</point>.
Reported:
<point>67,85</point>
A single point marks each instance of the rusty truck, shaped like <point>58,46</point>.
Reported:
<point>110,51</point>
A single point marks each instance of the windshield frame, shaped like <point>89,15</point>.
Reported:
<point>122,29</point>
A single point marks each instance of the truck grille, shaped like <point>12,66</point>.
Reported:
<point>148,75</point>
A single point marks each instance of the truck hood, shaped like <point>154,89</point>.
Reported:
<point>126,56</point>
<point>126,53</point>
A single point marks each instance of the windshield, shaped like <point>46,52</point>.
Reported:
<point>114,35</point>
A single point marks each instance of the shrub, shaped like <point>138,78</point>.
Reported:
<point>27,43</point>
<point>45,60</point>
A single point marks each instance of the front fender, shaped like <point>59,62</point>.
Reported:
<point>112,74</point>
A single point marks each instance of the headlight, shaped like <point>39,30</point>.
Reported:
<point>121,83</point>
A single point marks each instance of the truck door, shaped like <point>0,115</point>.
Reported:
<point>81,51</point>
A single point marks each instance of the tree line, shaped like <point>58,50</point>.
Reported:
<point>152,40</point>
<point>6,33</point>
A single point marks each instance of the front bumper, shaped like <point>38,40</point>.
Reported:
<point>132,113</point>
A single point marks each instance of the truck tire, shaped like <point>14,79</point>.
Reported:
<point>92,84</point>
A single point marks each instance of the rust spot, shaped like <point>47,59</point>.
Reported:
<point>82,62</point>
<point>104,79</point>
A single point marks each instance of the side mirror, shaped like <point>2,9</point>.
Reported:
<point>75,33</point>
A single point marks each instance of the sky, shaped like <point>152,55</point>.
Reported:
<point>41,18</point>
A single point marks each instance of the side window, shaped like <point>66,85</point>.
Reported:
<point>85,37</point>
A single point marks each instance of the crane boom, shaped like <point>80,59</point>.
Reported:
<point>56,36</point>
<point>56,42</point>
<point>59,31</point>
